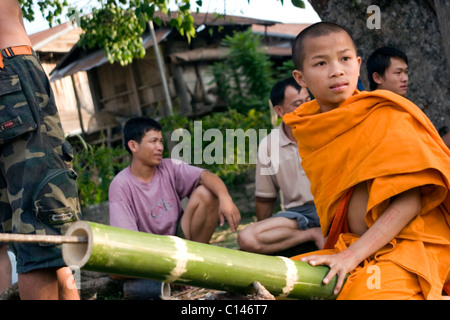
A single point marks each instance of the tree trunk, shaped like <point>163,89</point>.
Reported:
<point>443,14</point>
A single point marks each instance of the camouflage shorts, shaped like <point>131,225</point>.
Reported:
<point>38,189</point>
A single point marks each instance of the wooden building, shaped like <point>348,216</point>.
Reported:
<point>118,93</point>
<point>75,108</point>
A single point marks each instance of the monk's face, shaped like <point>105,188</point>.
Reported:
<point>330,69</point>
<point>395,77</point>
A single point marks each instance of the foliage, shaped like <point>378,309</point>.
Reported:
<point>118,25</point>
<point>244,78</point>
<point>298,3</point>
<point>50,9</point>
<point>121,35</point>
<point>231,173</point>
<point>96,167</point>
<point>285,70</point>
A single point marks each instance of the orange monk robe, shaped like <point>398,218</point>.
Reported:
<point>388,142</point>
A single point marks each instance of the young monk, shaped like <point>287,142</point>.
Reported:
<point>379,175</point>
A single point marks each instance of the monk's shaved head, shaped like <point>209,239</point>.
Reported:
<point>316,30</point>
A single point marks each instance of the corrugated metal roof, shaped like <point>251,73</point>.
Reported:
<point>37,39</point>
<point>282,30</point>
<point>41,38</point>
<point>211,54</point>
<point>211,19</point>
<point>83,62</point>
<point>199,54</point>
<point>282,50</point>
<point>80,60</point>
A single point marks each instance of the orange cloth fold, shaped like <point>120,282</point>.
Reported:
<point>339,224</point>
<point>386,140</point>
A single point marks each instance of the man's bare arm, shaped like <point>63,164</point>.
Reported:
<point>227,208</point>
<point>264,207</point>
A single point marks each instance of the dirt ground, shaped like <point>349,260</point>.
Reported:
<point>224,237</point>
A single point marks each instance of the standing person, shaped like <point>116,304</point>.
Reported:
<point>5,268</point>
<point>146,196</point>
<point>38,189</point>
<point>380,177</point>
<point>387,69</point>
<point>299,223</point>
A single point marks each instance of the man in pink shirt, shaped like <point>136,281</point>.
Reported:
<point>146,196</point>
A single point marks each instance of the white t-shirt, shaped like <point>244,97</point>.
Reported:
<point>279,168</point>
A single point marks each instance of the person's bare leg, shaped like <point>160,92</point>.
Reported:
<point>67,285</point>
<point>5,268</point>
<point>47,284</point>
<point>201,215</point>
<point>40,284</point>
<point>277,234</point>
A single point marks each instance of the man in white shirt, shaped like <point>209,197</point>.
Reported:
<point>279,168</point>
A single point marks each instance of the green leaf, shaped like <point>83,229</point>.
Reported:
<point>142,21</point>
<point>157,21</point>
<point>175,22</point>
<point>298,3</point>
<point>150,10</point>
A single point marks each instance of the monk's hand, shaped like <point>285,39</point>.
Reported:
<point>229,211</point>
<point>340,264</point>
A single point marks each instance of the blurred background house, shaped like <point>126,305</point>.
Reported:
<point>95,97</point>
<point>52,45</point>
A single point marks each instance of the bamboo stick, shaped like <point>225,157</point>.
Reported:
<point>38,238</point>
<point>174,260</point>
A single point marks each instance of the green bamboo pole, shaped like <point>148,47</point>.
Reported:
<point>174,260</point>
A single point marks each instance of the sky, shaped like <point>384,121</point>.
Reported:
<point>261,9</point>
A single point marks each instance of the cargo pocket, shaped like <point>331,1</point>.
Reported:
<point>15,114</point>
<point>56,198</point>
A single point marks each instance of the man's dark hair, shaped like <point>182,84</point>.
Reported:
<point>380,60</point>
<point>136,128</point>
<point>277,92</point>
<point>316,30</point>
